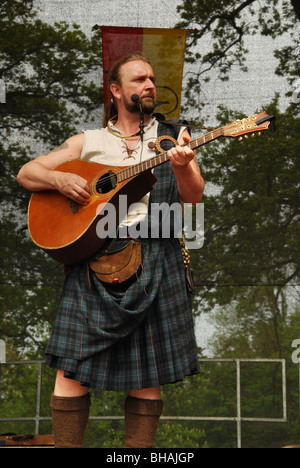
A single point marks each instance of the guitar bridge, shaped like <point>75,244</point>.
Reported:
<point>74,206</point>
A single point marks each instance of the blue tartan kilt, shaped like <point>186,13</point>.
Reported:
<point>139,338</point>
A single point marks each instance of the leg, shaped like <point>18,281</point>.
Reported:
<point>67,387</point>
<point>142,412</point>
<point>70,404</point>
<point>147,393</point>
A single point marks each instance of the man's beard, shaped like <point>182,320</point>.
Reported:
<point>147,105</point>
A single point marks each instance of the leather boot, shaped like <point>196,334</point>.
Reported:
<point>141,421</point>
<point>69,418</point>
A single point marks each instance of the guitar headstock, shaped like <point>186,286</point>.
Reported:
<point>256,123</point>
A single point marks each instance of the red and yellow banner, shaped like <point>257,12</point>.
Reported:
<point>165,48</point>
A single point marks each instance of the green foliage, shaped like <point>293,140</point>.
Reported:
<point>219,39</point>
<point>49,90</point>
<point>45,69</point>
<point>251,219</point>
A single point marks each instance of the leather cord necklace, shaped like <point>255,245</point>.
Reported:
<point>160,118</point>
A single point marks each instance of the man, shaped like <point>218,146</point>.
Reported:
<point>143,337</point>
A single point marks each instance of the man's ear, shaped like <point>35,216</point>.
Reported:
<point>115,90</point>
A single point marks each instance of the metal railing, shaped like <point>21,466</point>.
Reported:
<point>238,418</point>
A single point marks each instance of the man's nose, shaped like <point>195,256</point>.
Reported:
<point>150,84</point>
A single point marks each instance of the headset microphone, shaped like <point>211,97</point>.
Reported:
<point>136,99</point>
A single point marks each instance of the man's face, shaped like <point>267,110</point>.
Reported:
<point>137,77</point>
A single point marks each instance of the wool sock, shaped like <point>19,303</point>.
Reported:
<point>69,418</point>
<point>141,421</point>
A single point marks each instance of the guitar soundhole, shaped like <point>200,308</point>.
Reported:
<point>107,182</point>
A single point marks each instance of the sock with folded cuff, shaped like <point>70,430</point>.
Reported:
<point>69,418</point>
<point>141,421</point>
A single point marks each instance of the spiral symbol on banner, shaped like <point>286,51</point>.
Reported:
<point>167,99</point>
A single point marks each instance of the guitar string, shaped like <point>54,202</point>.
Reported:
<point>218,132</point>
<point>104,180</point>
<point>101,182</point>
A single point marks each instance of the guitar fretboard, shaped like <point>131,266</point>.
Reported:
<point>161,158</point>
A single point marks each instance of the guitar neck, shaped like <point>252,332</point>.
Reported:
<point>161,158</point>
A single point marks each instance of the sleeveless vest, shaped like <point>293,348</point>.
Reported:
<point>165,192</point>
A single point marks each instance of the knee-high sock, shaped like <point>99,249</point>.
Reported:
<point>141,421</point>
<point>69,418</point>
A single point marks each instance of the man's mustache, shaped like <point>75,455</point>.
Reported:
<point>151,96</point>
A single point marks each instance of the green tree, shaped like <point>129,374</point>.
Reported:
<point>48,73</point>
<point>252,222</point>
<point>220,36</point>
<point>262,323</point>
<point>249,263</point>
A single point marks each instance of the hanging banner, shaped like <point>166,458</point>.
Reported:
<point>165,48</point>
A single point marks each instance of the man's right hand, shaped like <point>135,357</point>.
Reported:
<point>72,186</point>
<point>38,174</point>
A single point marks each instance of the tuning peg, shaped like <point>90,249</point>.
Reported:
<point>252,135</point>
<point>259,133</point>
<point>240,139</point>
<point>246,136</point>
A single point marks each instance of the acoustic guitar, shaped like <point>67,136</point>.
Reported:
<point>67,231</point>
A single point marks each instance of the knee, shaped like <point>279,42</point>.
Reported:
<point>67,387</point>
<point>153,393</point>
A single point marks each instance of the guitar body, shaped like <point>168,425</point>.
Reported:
<point>65,230</point>
<point>68,231</point>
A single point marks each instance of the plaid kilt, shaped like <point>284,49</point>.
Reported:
<point>139,338</point>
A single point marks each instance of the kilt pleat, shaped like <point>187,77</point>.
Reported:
<point>141,338</point>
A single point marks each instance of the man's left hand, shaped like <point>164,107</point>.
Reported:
<point>181,156</point>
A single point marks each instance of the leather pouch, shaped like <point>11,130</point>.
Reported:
<point>120,261</point>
